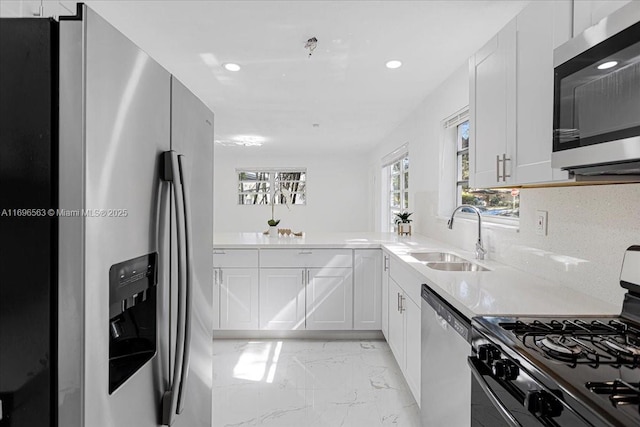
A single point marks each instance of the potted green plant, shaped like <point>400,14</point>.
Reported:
<point>403,223</point>
<point>273,223</point>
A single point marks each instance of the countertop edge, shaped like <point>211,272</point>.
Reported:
<point>453,287</point>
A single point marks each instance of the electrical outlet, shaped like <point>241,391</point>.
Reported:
<point>541,223</point>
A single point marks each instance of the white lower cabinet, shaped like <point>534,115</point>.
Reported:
<point>413,327</point>
<point>404,335</point>
<point>329,298</point>
<point>385,295</point>
<point>238,297</point>
<point>395,335</point>
<point>282,298</point>
<point>367,289</point>
<point>306,289</point>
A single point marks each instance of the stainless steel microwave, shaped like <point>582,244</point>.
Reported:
<point>596,114</point>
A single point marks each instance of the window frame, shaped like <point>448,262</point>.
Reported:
<point>273,186</point>
<point>454,122</point>
<point>399,157</point>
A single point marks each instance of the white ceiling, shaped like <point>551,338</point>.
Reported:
<point>280,92</point>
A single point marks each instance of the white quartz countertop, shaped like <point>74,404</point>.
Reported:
<point>502,291</point>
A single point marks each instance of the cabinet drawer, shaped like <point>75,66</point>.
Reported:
<point>235,258</point>
<point>286,258</point>
<point>409,281</point>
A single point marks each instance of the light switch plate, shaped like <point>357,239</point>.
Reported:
<point>541,223</point>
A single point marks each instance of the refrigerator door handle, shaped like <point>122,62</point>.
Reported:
<point>170,173</point>
<point>188,284</point>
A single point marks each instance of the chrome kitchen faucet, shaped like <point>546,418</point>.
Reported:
<point>480,250</point>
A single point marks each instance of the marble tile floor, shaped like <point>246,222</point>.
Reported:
<point>309,383</point>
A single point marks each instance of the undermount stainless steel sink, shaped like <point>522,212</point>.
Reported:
<point>436,257</point>
<point>456,266</point>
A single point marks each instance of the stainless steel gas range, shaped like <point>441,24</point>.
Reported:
<point>560,371</point>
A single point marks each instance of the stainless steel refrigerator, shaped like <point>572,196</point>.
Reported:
<point>130,242</point>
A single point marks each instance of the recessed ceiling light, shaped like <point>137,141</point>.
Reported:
<point>230,66</point>
<point>394,64</point>
<point>607,65</point>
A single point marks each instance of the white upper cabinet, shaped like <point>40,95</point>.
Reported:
<point>492,110</point>
<point>511,99</point>
<point>587,13</point>
<point>536,37</point>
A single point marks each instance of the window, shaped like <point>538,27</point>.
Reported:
<point>259,187</point>
<point>498,202</point>
<point>397,189</point>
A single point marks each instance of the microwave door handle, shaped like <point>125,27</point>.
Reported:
<point>186,208</point>
<point>171,174</point>
<point>508,417</point>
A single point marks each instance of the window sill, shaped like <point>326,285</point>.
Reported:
<point>489,222</point>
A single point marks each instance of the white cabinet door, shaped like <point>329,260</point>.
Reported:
<point>412,324</point>
<point>216,298</point>
<point>385,295</point>
<point>238,298</point>
<point>536,36</point>
<point>492,110</point>
<point>367,278</point>
<point>395,336</point>
<point>329,298</point>
<point>282,301</point>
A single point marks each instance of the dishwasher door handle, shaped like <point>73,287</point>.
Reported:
<point>508,417</point>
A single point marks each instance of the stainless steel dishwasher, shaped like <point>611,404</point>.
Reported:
<point>446,379</point>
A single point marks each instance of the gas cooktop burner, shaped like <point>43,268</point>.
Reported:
<point>623,348</point>
<point>560,346</point>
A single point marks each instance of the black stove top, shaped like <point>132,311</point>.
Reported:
<point>594,363</point>
<point>565,370</point>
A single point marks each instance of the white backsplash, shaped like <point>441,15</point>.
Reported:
<point>589,228</point>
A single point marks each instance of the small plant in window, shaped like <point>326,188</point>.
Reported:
<point>403,217</point>
<point>403,222</point>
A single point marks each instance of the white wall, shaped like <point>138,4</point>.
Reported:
<point>589,227</point>
<point>337,192</point>
<point>422,131</point>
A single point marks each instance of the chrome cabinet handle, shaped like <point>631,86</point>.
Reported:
<point>215,276</point>
<point>186,206</point>
<point>219,253</point>
<point>401,304</point>
<point>508,417</point>
<point>386,263</point>
<point>305,252</point>
<point>504,161</point>
<point>171,173</point>
<point>504,167</point>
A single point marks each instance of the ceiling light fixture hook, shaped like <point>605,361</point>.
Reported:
<point>311,44</point>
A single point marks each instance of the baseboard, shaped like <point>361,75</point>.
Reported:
<point>309,335</point>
